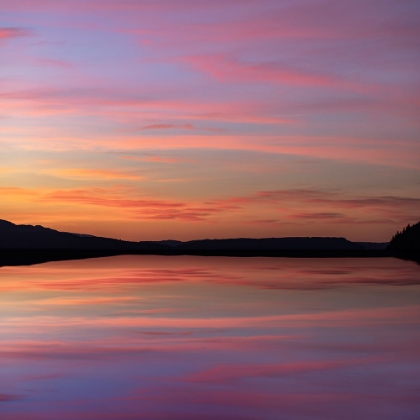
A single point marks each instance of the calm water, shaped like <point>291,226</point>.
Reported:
<point>193,338</point>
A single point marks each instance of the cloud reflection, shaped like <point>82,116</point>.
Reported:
<point>200,338</point>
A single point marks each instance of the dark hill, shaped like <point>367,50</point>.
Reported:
<point>267,246</point>
<point>27,244</point>
<point>20,244</point>
<point>37,237</point>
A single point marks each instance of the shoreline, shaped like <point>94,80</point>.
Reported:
<point>16,257</point>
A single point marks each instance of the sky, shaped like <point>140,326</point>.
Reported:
<point>147,120</point>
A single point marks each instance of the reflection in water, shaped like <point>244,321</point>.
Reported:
<point>194,338</point>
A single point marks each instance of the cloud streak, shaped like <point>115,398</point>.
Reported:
<point>208,95</point>
<point>302,210</point>
<point>11,33</point>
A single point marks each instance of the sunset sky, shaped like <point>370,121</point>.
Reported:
<point>157,119</point>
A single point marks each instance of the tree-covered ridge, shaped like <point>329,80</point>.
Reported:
<point>407,242</point>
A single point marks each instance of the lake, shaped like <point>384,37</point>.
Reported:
<point>203,338</point>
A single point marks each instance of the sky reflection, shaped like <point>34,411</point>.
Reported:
<point>205,338</point>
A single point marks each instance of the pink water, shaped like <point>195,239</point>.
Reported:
<point>203,338</point>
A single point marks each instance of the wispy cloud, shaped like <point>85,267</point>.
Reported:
<point>227,69</point>
<point>341,211</point>
<point>234,373</point>
<point>10,33</point>
<point>168,126</point>
<point>10,397</point>
<point>181,84</point>
<point>91,174</point>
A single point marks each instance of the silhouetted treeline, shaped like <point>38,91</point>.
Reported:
<point>406,244</point>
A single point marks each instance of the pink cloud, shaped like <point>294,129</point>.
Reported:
<point>70,301</point>
<point>168,126</point>
<point>235,372</point>
<point>331,217</point>
<point>126,107</point>
<point>338,318</point>
<point>392,208</point>
<point>120,108</point>
<point>10,33</point>
<point>227,69</point>
<point>158,159</point>
<point>318,79</point>
<point>9,397</point>
<point>91,174</point>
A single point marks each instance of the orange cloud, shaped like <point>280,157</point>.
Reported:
<point>255,214</point>
<point>15,192</point>
<point>145,209</point>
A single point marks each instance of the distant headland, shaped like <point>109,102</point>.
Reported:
<point>27,244</point>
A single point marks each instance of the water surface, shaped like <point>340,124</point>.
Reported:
<point>203,338</point>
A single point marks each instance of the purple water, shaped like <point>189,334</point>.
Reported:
<point>203,338</point>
